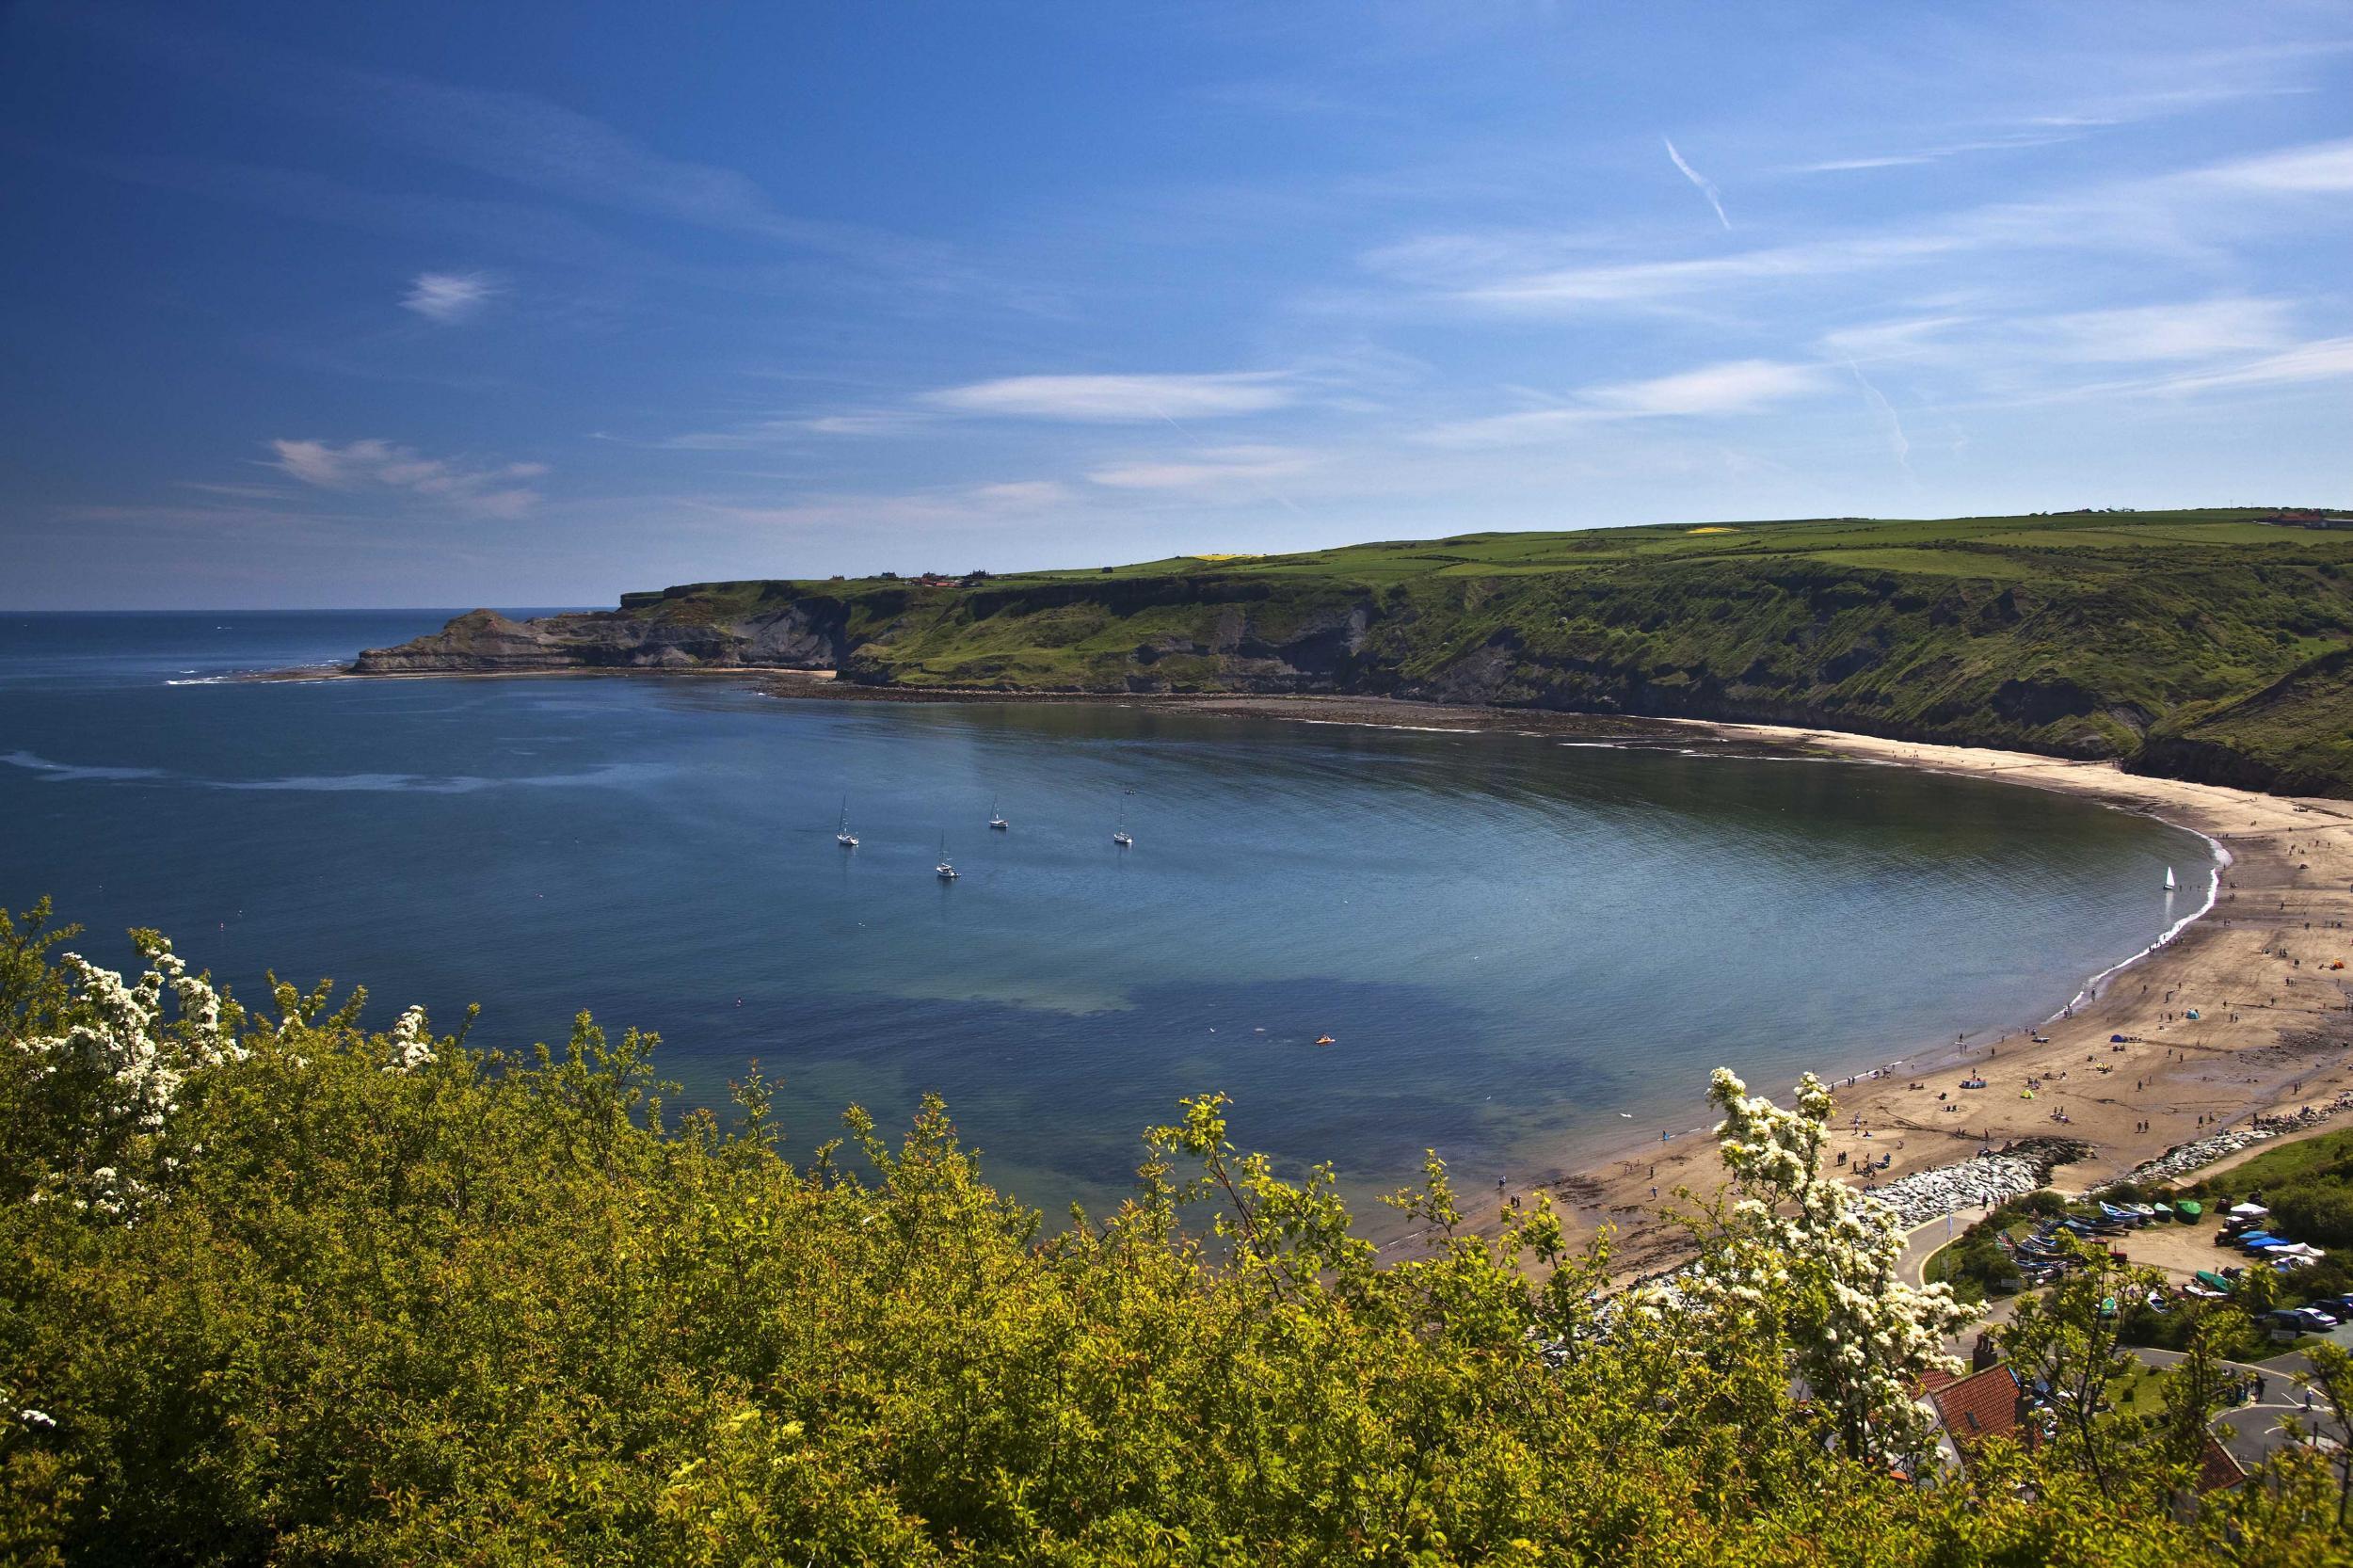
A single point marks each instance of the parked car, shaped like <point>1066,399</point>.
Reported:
<point>2338,1307</point>
<point>2307,1320</point>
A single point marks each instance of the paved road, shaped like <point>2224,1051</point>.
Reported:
<point>2252,1431</point>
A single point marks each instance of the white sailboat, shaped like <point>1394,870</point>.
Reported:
<point>1119,834</point>
<point>996,818</point>
<point>945,871</point>
<point>2168,879</point>
<point>843,836</point>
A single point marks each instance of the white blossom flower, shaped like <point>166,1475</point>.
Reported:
<point>412,1044</point>
<point>138,1061</point>
<point>1861,1337</point>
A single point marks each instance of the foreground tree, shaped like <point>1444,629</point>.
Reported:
<point>386,1298</point>
<point>2068,1340</point>
<point>2193,1386</point>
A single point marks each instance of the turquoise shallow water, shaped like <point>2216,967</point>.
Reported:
<point>1521,948</point>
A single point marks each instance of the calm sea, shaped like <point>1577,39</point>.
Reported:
<point>1519,948</point>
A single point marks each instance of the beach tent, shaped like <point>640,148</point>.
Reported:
<point>2249,1210</point>
<point>2116,1040</point>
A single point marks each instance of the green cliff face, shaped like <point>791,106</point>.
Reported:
<point>2210,645</point>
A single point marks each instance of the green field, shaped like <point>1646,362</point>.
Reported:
<point>2213,645</point>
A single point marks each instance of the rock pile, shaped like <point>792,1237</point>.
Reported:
<point>2183,1159</point>
<point>1988,1179</point>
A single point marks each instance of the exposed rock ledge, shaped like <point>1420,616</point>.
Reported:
<point>796,635</point>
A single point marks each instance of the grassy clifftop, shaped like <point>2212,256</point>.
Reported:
<point>2208,644</point>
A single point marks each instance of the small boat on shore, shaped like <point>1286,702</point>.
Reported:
<point>843,835</point>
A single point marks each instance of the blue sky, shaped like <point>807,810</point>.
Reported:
<point>455,304</point>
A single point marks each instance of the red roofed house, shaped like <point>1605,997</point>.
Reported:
<point>1982,1405</point>
<point>2218,1470</point>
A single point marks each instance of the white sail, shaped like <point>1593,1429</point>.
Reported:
<point>2168,879</point>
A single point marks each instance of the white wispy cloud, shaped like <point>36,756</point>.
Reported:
<point>494,492</point>
<point>2322,360</point>
<point>2195,213</point>
<point>1905,338</point>
<point>1735,387</point>
<point>1700,183</point>
<point>2025,349</point>
<point>780,431</point>
<point>1118,399</point>
<point>998,503</point>
<point>869,422</point>
<point>2321,168</point>
<point>449,297</point>
<point>1913,157</point>
<point>1021,495</point>
<point>1640,284</point>
<point>2195,329</point>
<point>1217,467</point>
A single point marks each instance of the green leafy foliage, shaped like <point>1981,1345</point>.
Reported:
<point>392,1298</point>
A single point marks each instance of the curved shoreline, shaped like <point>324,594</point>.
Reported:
<point>2220,863</point>
<point>2272,1034</point>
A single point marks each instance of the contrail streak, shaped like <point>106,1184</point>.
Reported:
<point>1700,183</point>
<point>1897,442</point>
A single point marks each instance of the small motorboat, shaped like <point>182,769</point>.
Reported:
<point>1325,1040</point>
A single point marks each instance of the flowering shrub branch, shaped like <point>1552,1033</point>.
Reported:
<point>1827,1255</point>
